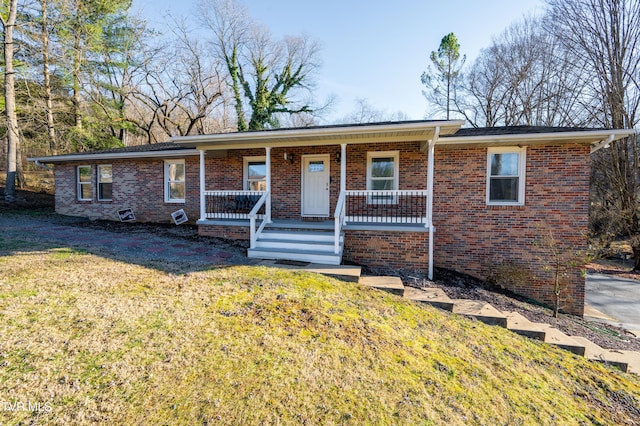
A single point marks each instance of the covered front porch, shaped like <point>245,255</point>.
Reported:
<point>303,188</point>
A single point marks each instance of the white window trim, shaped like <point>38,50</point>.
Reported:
<point>80,184</point>
<point>167,163</point>
<point>396,172</point>
<point>98,180</point>
<point>522,173</point>
<point>245,169</point>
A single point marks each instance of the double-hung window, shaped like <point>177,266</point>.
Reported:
<point>255,174</point>
<point>105,182</point>
<point>84,185</point>
<point>174,181</point>
<point>506,169</point>
<point>382,175</point>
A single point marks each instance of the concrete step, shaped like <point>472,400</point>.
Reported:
<point>312,256</point>
<point>555,337</point>
<point>432,296</point>
<point>522,326</point>
<point>482,311</point>
<point>342,272</point>
<point>392,285</point>
<point>606,356</point>
<point>632,358</point>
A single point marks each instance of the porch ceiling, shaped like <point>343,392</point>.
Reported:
<point>415,131</point>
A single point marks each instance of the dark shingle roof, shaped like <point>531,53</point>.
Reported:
<point>516,130</point>
<point>162,146</point>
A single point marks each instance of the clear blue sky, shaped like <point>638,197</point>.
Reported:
<point>374,50</point>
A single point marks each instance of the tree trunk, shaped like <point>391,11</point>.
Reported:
<point>635,249</point>
<point>13,140</point>
<point>76,81</point>
<point>53,143</point>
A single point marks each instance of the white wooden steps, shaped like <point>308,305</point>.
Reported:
<point>305,245</point>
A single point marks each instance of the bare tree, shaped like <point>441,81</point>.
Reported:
<point>264,74</point>
<point>604,35</point>
<point>525,77</point>
<point>8,19</point>
<point>364,112</point>
<point>178,89</point>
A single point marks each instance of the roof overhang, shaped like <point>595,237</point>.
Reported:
<point>596,138</point>
<point>417,131</point>
<point>172,153</point>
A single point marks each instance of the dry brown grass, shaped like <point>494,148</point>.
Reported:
<point>101,341</point>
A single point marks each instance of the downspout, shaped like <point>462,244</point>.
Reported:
<point>43,166</point>
<point>603,143</point>
<point>267,164</point>
<point>430,165</point>
<point>203,199</point>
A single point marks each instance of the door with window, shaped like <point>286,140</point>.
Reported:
<point>315,185</point>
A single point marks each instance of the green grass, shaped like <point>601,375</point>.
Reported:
<point>108,342</point>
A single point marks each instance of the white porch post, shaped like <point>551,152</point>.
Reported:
<point>267,217</point>
<point>430,165</point>
<point>343,167</point>
<point>203,199</point>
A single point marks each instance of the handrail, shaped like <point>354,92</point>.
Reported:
<point>230,204</point>
<point>233,192</point>
<point>339,217</point>
<point>388,192</point>
<point>252,220</point>
<point>386,206</point>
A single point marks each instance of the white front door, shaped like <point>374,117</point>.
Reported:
<point>315,185</point>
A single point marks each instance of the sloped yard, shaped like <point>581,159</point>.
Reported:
<point>101,340</point>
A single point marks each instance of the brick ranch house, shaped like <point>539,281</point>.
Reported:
<point>406,195</point>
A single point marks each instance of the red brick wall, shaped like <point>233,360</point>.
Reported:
<point>380,249</point>
<point>137,184</point>
<point>225,231</point>
<point>479,240</point>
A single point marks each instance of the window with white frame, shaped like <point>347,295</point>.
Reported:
<point>382,175</point>
<point>84,187</point>
<point>174,181</point>
<point>255,174</point>
<point>105,182</point>
<point>506,169</point>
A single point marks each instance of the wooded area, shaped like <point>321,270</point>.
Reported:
<point>89,75</point>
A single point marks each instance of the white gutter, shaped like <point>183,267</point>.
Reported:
<point>430,166</point>
<point>42,166</point>
<point>602,144</point>
<point>115,155</point>
<point>592,136</point>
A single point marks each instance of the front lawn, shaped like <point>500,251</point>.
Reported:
<point>93,340</point>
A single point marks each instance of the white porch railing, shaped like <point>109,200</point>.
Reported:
<point>398,207</point>
<point>232,204</point>
<point>339,218</point>
<point>253,214</point>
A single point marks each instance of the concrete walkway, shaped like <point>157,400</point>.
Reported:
<point>619,298</point>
